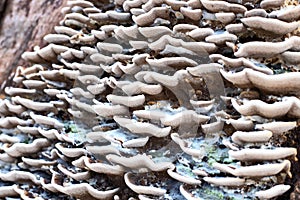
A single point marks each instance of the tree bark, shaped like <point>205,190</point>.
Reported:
<point>23,24</point>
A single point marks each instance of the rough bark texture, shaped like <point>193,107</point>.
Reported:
<point>23,24</point>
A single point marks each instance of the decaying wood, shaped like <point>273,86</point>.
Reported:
<point>23,24</point>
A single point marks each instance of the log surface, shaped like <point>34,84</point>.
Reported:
<point>23,24</point>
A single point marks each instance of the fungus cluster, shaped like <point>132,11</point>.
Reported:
<point>159,99</point>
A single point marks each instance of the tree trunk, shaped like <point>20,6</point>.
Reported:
<point>23,24</point>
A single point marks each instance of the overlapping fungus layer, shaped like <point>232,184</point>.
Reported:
<point>159,99</point>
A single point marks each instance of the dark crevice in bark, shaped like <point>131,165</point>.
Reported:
<point>3,6</point>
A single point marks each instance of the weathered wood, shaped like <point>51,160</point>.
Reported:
<point>23,25</point>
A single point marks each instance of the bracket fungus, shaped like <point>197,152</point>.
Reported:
<point>288,106</point>
<point>256,170</point>
<point>159,99</point>
<point>275,26</point>
<point>274,84</point>
<point>226,181</point>
<point>259,154</point>
<point>183,179</point>
<point>143,189</point>
<point>139,162</point>
<point>240,137</point>
<point>273,192</point>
